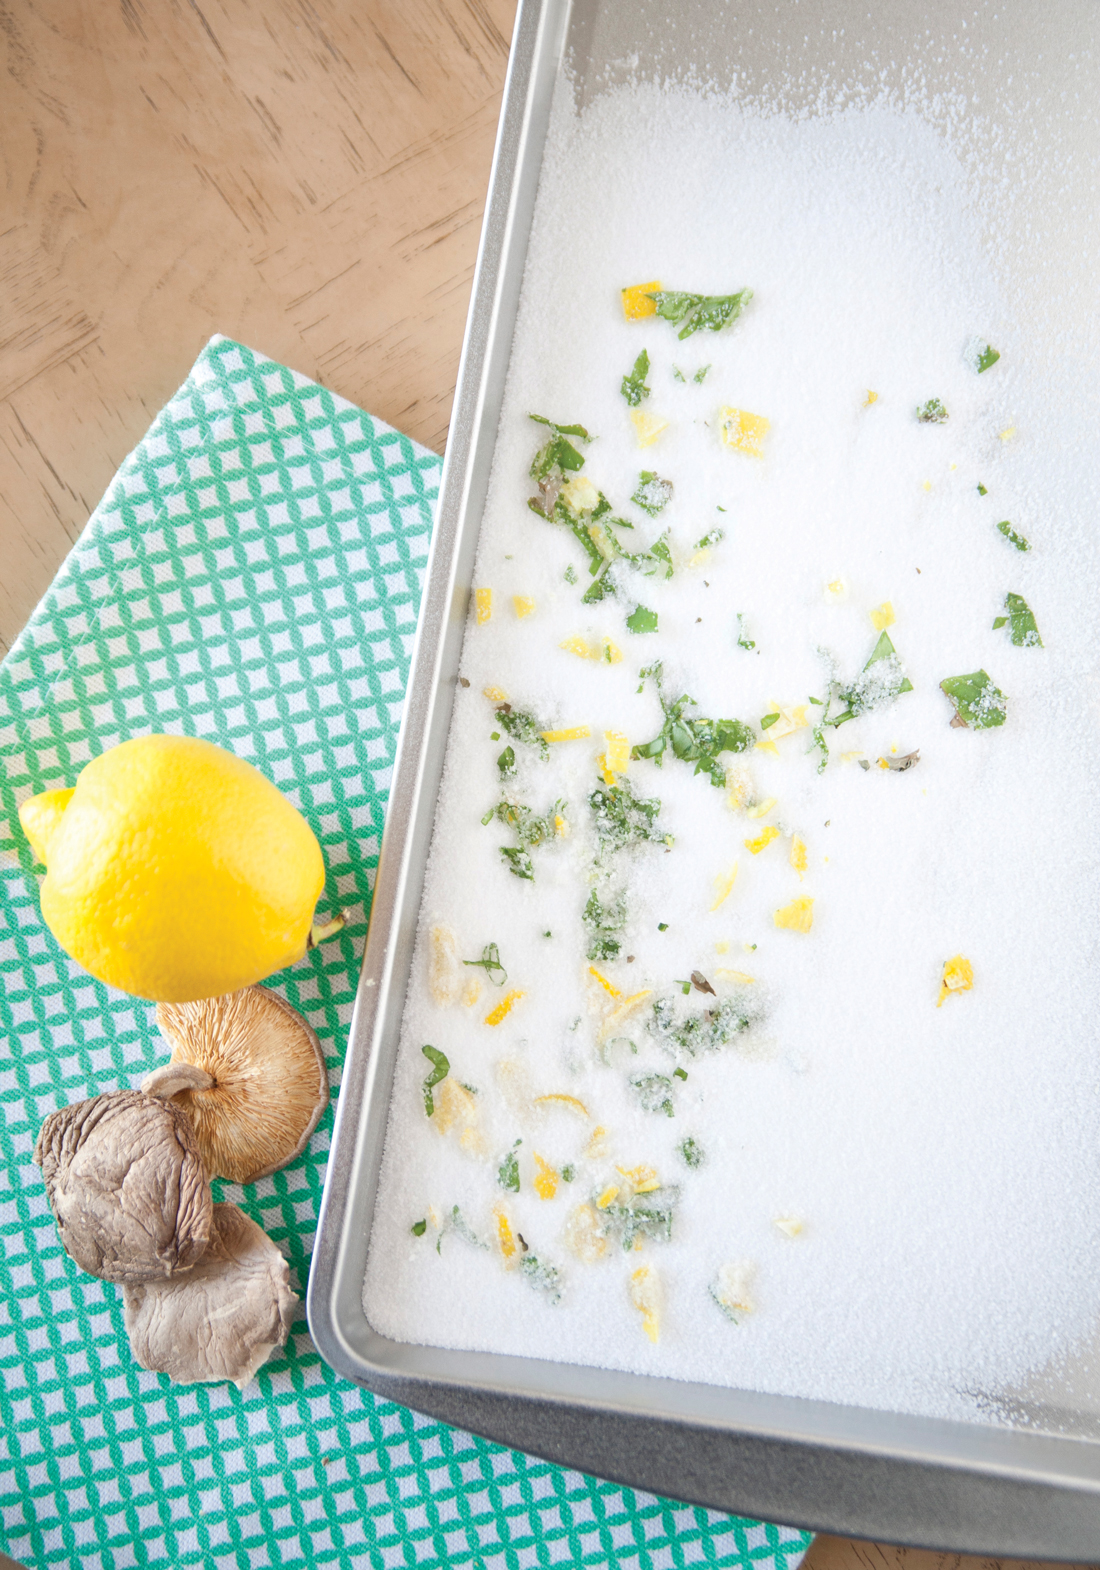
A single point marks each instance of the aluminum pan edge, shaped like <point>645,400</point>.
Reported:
<point>927,1482</point>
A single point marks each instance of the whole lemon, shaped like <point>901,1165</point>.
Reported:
<point>175,870</point>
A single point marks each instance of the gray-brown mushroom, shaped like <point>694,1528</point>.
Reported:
<point>249,1073</point>
<point>127,1186</point>
<point>222,1320</point>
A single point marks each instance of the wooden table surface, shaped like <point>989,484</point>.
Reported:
<point>305,177</point>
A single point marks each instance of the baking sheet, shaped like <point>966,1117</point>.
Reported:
<point>944,1484</point>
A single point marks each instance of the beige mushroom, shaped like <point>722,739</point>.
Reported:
<point>250,1075</point>
<point>127,1186</point>
<point>223,1320</point>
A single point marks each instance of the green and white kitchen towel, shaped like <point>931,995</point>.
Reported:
<point>252,576</point>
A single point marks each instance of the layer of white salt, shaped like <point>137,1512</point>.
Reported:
<point>945,1161</point>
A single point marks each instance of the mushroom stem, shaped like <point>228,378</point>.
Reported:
<point>171,1078</point>
<point>320,931</point>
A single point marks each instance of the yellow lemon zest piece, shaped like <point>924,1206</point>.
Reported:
<point>742,431</point>
<point>595,1146</point>
<point>798,916</point>
<point>798,854</point>
<point>792,717</point>
<point>495,694</point>
<point>618,751</point>
<point>607,1196</point>
<point>506,1240</point>
<point>872,397</point>
<point>958,976</point>
<point>740,977</point>
<point>621,1012</point>
<point>836,589</point>
<point>561,827</point>
<point>790,1226</point>
<point>927,484</point>
<point>645,1295</point>
<point>722,946</point>
<point>647,427</point>
<point>642,1179</point>
<point>603,981</point>
<point>768,833</point>
<point>610,652</point>
<point>577,645</point>
<point>546,1179</point>
<point>579,493</point>
<point>524,604</point>
<point>636,301</point>
<point>883,616</point>
<point>575,733</point>
<point>767,746</point>
<point>723,886</point>
<point>605,773</point>
<point>760,809</point>
<point>483,600</point>
<point>1007,434</point>
<point>850,757</point>
<point>504,1007</point>
<point>559,1098</point>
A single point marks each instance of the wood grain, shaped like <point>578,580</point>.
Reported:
<point>305,175</point>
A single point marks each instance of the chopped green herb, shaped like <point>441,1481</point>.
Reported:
<point>568,1172</point>
<point>565,430</point>
<point>694,740</point>
<point>691,1152</point>
<point>654,1091</point>
<point>556,454</point>
<point>743,642</point>
<point>623,819</point>
<point>694,1034</point>
<point>633,386</point>
<point>678,374</point>
<point>523,727</point>
<point>530,829</point>
<point>518,861</point>
<point>662,926</point>
<point>1012,537</point>
<point>548,934</point>
<point>701,374</point>
<point>602,922</point>
<point>768,720</point>
<point>418,1228</point>
<point>720,509</point>
<point>570,574</point>
<point>494,735</point>
<point>684,986</point>
<point>880,682</point>
<point>459,1224</point>
<point>712,537</point>
<point>508,1171</point>
<point>506,763</point>
<point>981,355</point>
<point>982,490</point>
<point>692,312</point>
<point>647,1215</point>
<point>652,494</point>
<point>544,1278</point>
<point>490,964</point>
<point>1021,623</point>
<point>977,701</point>
<point>679,1073</point>
<point>932,412</point>
<point>440,1069</point>
<point>642,620</point>
<point>489,816</point>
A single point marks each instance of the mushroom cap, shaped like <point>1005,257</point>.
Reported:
<point>224,1319</point>
<point>269,1085</point>
<point>127,1186</point>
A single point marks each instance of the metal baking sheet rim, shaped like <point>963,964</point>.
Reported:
<point>924,1482</point>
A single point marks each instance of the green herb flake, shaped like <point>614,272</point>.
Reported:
<point>543,1277</point>
<point>652,494</point>
<point>570,574</point>
<point>693,312</point>
<point>932,412</point>
<point>982,490</point>
<point>494,735</point>
<point>440,1069</point>
<point>490,964</point>
<point>1012,537</point>
<point>418,1228</point>
<point>693,739</point>
<point>601,923</point>
<point>654,1092</point>
<point>743,641</point>
<point>508,1171</point>
<point>879,682</point>
<point>641,619</point>
<point>691,1152</point>
<point>662,926</point>
<point>459,1224</point>
<point>691,1035</point>
<point>678,375</point>
<point>518,861</point>
<point>623,819</point>
<point>977,700</point>
<point>633,387</point>
<point>523,727</point>
<point>1021,623</point>
<point>981,355</point>
<point>568,1172</point>
<point>647,1216</point>
<point>701,374</point>
<point>767,721</point>
<point>506,763</point>
<point>679,1073</point>
<point>711,538</point>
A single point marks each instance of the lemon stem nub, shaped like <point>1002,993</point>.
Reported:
<point>321,931</point>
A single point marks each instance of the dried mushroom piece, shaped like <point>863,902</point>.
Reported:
<point>223,1320</point>
<point>127,1186</point>
<point>250,1075</point>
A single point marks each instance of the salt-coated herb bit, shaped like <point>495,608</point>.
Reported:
<point>508,1171</point>
<point>1011,535</point>
<point>440,1069</point>
<point>652,494</point>
<point>691,1152</point>
<point>980,355</point>
<point>694,312</point>
<point>693,739</point>
<point>642,619</point>
<point>490,964</point>
<point>418,1228</point>
<point>932,412</point>
<point>633,387</point>
<point>1020,622</point>
<point>976,699</point>
<point>880,681</point>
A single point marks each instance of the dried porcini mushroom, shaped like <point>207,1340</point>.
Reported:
<point>127,1186</point>
<point>223,1320</point>
<point>250,1075</point>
